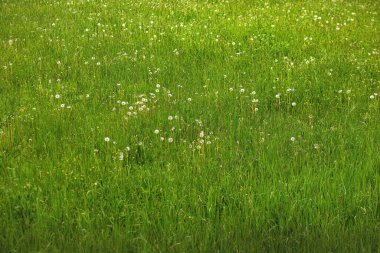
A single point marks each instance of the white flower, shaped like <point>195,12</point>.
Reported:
<point>278,95</point>
<point>62,105</point>
<point>294,104</point>
<point>170,117</point>
<point>293,139</point>
<point>202,134</point>
<point>57,96</point>
<point>290,90</point>
<point>170,139</point>
<point>158,86</point>
<point>156,131</point>
<point>107,139</point>
<point>121,156</point>
<point>242,90</point>
<point>372,97</point>
<point>189,99</point>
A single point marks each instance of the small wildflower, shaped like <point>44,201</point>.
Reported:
<point>170,139</point>
<point>156,131</point>
<point>293,139</point>
<point>107,139</point>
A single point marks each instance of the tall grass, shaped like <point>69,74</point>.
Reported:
<point>189,126</point>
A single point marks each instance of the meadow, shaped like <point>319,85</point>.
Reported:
<point>189,126</point>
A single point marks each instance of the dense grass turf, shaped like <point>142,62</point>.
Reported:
<point>189,126</point>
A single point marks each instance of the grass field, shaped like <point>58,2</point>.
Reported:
<point>189,126</point>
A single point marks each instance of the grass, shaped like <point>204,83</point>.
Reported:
<point>267,116</point>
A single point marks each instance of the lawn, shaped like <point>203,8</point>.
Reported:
<point>189,126</point>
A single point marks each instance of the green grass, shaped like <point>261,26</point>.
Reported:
<point>267,114</point>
